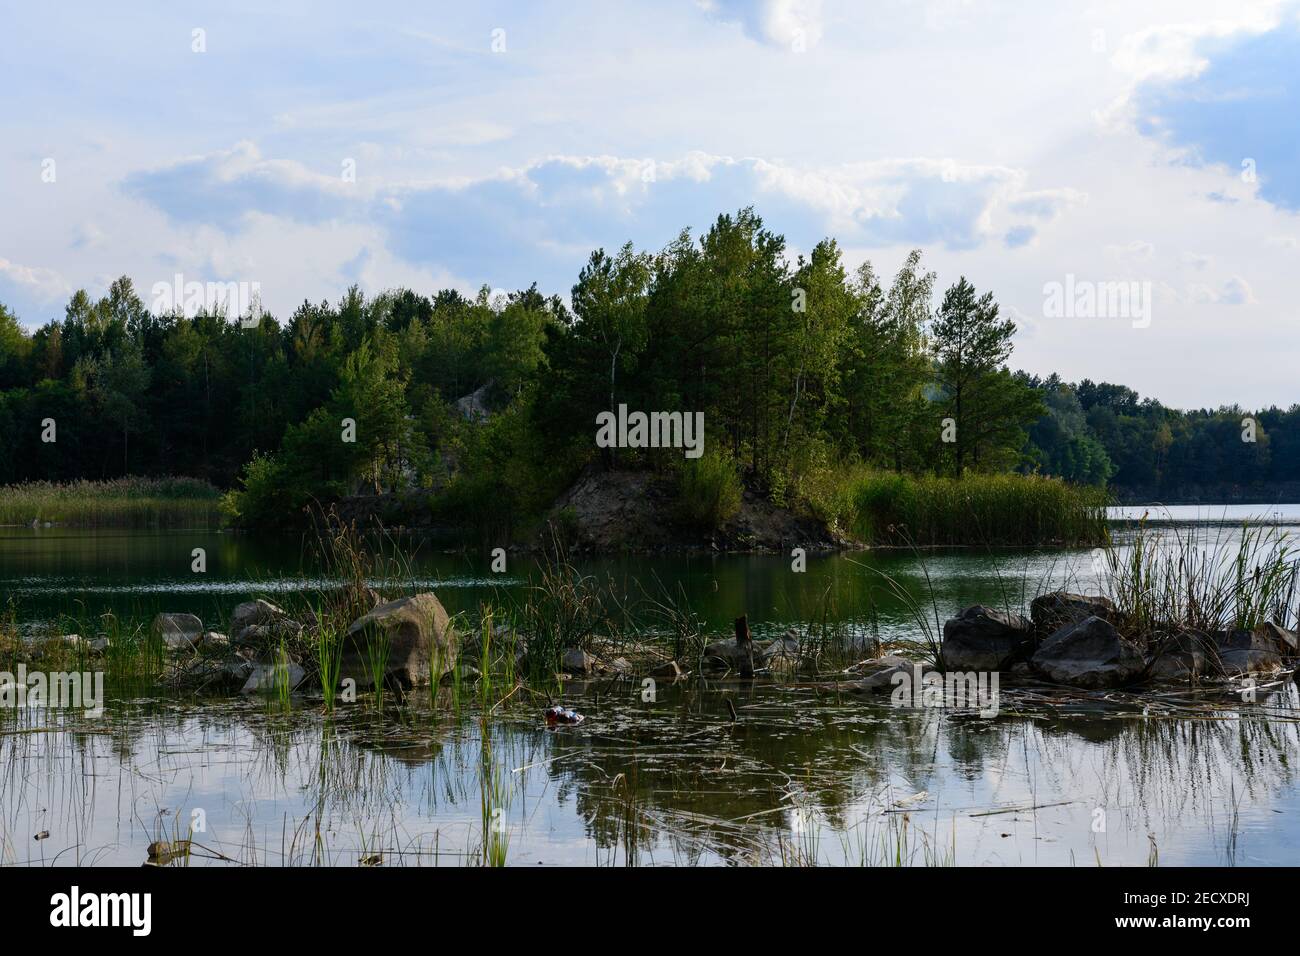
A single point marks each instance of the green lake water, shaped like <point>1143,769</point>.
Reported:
<point>800,774</point>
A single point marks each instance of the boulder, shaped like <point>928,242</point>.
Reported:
<point>877,677</point>
<point>982,639</point>
<point>1255,651</point>
<point>267,635</point>
<point>1051,612</point>
<point>1089,653</point>
<point>410,633</point>
<point>254,612</point>
<point>268,678</point>
<point>1178,657</point>
<point>178,631</point>
<point>731,655</point>
<point>576,661</point>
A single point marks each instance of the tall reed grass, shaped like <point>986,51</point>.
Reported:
<point>885,508</point>
<point>119,503</point>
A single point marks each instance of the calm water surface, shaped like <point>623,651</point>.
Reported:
<point>801,774</point>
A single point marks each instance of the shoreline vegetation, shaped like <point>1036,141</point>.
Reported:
<point>131,502</point>
<point>1197,612</point>
<point>856,507</point>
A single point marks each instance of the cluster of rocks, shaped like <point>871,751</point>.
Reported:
<point>411,637</point>
<point>1080,640</point>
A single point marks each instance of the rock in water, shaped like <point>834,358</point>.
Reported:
<point>1189,653</point>
<point>411,633</point>
<point>1257,651</point>
<point>1089,654</point>
<point>178,631</point>
<point>982,639</point>
<point>270,678</point>
<point>1051,612</point>
<point>254,612</point>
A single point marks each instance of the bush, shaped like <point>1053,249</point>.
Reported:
<point>708,491</point>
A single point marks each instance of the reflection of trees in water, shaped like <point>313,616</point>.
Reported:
<point>676,777</point>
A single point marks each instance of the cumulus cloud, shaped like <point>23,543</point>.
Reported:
<point>782,23</point>
<point>36,282</point>
<point>550,213</point>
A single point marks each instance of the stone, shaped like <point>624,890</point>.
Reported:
<point>411,633</point>
<point>268,678</point>
<point>1050,612</point>
<point>254,612</point>
<point>877,677</point>
<point>1089,654</point>
<point>576,661</point>
<point>215,639</point>
<point>982,639</point>
<point>1255,651</point>
<point>1182,656</point>
<point>178,631</point>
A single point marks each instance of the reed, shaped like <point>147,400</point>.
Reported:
<point>130,502</point>
<point>889,509</point>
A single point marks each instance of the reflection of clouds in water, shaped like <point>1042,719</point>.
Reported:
<point>696,786</point>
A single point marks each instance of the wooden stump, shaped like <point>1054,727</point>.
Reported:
<point>746,644</point>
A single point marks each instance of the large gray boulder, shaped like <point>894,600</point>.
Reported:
<point>178,631</point>
<point>1255,651</point>
<point>1091,654</point>
<point>411,633</point>
<point>982,639</point>
<point>1050,612</point>
<point>1182,656</point>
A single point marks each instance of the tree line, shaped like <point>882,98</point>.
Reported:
<point>799,365</point>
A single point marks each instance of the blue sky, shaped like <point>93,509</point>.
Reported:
<point>498,144</point>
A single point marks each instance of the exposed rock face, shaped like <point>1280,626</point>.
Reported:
<point>178,631</point>
<point>411,633</point>
<point>982,639</point>
<point>1051,612</point>
<point>1089,654</point>
<point>611,511</point>
<point>1182,656</point>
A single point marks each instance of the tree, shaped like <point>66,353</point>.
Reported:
<point>990,408</point>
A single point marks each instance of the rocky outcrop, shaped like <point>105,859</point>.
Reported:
<point>1090,654</point>
<point>982,639</point>
<point>410,637</point>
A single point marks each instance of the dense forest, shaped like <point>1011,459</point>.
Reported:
<point>800,367</point>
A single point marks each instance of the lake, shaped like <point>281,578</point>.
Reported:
<point>800,774</point>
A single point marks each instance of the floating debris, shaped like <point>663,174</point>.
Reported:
<point>562,715</point>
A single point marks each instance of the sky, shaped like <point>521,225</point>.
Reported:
<point>1028,146</point>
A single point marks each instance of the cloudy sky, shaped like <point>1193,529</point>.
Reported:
<point>429,145</point>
